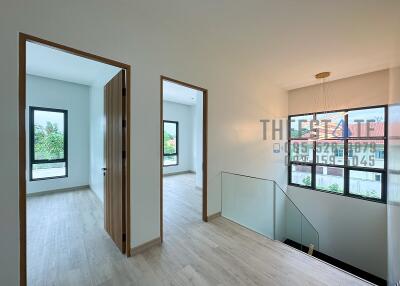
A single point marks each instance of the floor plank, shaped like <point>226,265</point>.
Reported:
<point>68,246</point>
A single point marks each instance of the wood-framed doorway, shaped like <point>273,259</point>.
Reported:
<point>204,144</point>
<point>23,39</point>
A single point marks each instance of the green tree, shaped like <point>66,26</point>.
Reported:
<point>334,188</point>
<point>307,181</point>
<point>49,141</point>
<point>169,143</point>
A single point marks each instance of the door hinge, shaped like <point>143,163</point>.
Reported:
<point>124,237</point>
<point>124,91</point>
<point>123,123</point>
<point>123,154</point>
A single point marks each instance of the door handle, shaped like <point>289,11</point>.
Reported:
<point>104,171</point>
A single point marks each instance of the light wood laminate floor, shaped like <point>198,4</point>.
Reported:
<point>68,246</point>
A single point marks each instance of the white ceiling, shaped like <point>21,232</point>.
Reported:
<point>179,93</point>
<point>281,42</point>
<point>56,64</point>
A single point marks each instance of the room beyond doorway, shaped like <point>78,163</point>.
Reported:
<point>183,142</point>
<point>59,117</point>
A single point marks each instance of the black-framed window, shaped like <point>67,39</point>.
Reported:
<point>342,152</point>
<point>170,143</point>
<point>48,143</point>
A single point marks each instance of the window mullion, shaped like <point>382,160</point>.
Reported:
<point>347,167</point>
<point>346,156</point>
<point>314,166</point>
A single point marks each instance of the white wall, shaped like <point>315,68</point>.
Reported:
<point>184,115</point>
<point>200,42</point>
<point>197,124</point>
<point>351,230</point>
<point>97,140</point>
<point>150,36</point>
<point>393,195</point>
<point>357,91</point>
<point>45,92</point>
<point>97,128</point>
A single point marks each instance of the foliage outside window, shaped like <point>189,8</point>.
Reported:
<point>341,152</point>
<point>48,143</point>
<point>170,142</point>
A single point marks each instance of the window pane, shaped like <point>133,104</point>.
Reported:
<point>330,152</point>
<point>301,151</point>
<point>48,135</point>
<point>367,153</point>
<point>48,170</point>
<point>170,160</point>
<point>301,175</point>
<point>366,184</point>
<point>330,179</point>
<point>331,125</point>
<point>367,122</point>
<point>170,140</point>
<point>300,126</point>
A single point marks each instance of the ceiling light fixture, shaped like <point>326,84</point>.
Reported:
<point>322,76</point>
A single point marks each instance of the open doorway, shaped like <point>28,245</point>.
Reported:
<point>183,152</point>
<point>74,162</point>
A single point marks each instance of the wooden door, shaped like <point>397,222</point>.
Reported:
<point>115,159</point>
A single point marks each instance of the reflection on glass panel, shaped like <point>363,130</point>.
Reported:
<point>48,135</point>
<point>366,184</point>
<point>249,202</point>
<point>170,140</point>
<point>300,126</point>
<point>330,179</point>
<point>367,122</point>
<point>301,151</point>
<point>331,125</point>
<point>48,170</point>
<point>367,153</point>
<point>301,175</point>
<point>330,152</point>
<point>170,160</point>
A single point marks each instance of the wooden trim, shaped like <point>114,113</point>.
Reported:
<point>161,159</point>
<point>23,38</point>
<point>183,83</point>
<point>205,152</point>
<point>22,160</point>
<point>143,247</point>
<point>214,216</point>
<point>63,48</point>
<point>205,145</point>
<point>128,161</point>
<point>55,191</point>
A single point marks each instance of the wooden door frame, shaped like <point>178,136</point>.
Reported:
<point>23,39</point>
<point>205,145</point>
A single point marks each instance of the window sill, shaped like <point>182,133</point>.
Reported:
<point>48,178</point>
<point>340,194</point>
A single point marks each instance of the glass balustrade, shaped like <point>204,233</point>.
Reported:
<point>262,206</point>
